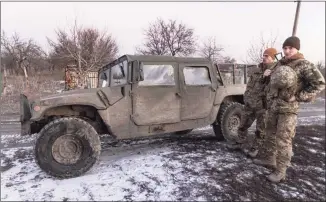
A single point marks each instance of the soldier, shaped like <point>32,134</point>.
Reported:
<point>73,84</point>
<point>254,106</point>
<point>284,92</point>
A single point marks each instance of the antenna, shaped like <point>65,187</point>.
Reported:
<point>294,31</point>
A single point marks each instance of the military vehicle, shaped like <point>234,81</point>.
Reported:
<point>136,96</point>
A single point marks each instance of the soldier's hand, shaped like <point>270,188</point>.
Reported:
<point>267,72</point>
<point>292,99</point>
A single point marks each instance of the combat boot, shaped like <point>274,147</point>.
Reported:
<point>239,147</point>
<point>237,144</point>
<point>276,176</point>
<point>267,162</point>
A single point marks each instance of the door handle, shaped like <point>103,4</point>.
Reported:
<point>178,94</point>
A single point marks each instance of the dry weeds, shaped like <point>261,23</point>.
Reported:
<point>36,87</point>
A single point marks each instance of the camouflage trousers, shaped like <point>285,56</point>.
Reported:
<point>280,131</point>
<point>247,118</point>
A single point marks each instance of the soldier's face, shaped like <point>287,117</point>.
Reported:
<point>267,59</point>
<point>289,51</point>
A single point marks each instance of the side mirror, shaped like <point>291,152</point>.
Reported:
<point>138,74</point>
<point>141,73</point>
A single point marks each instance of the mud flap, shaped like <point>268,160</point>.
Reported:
<point>25,109</point>
<point>25,128</point>
<point>25,115</point>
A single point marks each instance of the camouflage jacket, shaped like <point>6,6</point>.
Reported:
<point>254,94</point>
<point>310,82</point>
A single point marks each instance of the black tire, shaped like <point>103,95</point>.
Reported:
<point>217,125</point>
<point>82,137</point>
<point>183,132</point>
<point>229,120</point>
<point>218,132</point>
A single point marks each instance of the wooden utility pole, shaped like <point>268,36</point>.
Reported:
<point>294,31</point>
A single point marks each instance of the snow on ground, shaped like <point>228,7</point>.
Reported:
<point>320,99</point>
<point>110,179</point>
<point>170,167</point>
<point>173,167</point>
<point>12,140</point>
<point>320,119</point>
<point>308,109</point>
<point>154,173</point>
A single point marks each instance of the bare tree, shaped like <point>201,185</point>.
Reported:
<point>211,50</point>
<point>228,59</point>
<point>20,55</point>
<point>256,49</point>
<point>321,66</point>
<point>87,48</point>
<point>168,38</point>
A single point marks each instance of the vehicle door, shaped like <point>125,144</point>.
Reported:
<point>198,88</point>
<point>156,99</point>
<point>113,90</point>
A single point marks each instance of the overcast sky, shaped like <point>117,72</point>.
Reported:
<point>233,24</point>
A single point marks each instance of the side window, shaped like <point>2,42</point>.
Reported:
<point>119,74</point>
<point>158,75</point>
<point>196,76</point>
<point>104,79</point>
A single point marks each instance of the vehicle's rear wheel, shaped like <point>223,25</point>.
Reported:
<point>183,132</point>
<point>67,147</point>
<point>230,119</point>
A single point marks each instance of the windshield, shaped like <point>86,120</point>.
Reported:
<point>114,76</point>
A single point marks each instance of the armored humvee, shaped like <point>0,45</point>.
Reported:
<point>136,96</point>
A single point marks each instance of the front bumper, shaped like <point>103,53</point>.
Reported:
<point>25,115</point>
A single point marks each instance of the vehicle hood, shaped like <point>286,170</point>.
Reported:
<point>74,97</point>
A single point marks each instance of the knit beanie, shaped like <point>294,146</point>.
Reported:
<point>270,52</point>
<point>292,41</point>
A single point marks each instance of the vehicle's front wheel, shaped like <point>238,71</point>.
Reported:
<point>67,147</point>
<point>229,120</point>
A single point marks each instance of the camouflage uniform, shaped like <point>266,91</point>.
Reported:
<point>254,108</point>
<point>72,80</point>
<point>281,118</point>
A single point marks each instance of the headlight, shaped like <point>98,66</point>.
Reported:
<point>35,106</point>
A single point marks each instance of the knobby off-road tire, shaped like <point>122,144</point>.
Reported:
<point>183,132</point>
<point>229,118</point>
<point>67,147</point>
